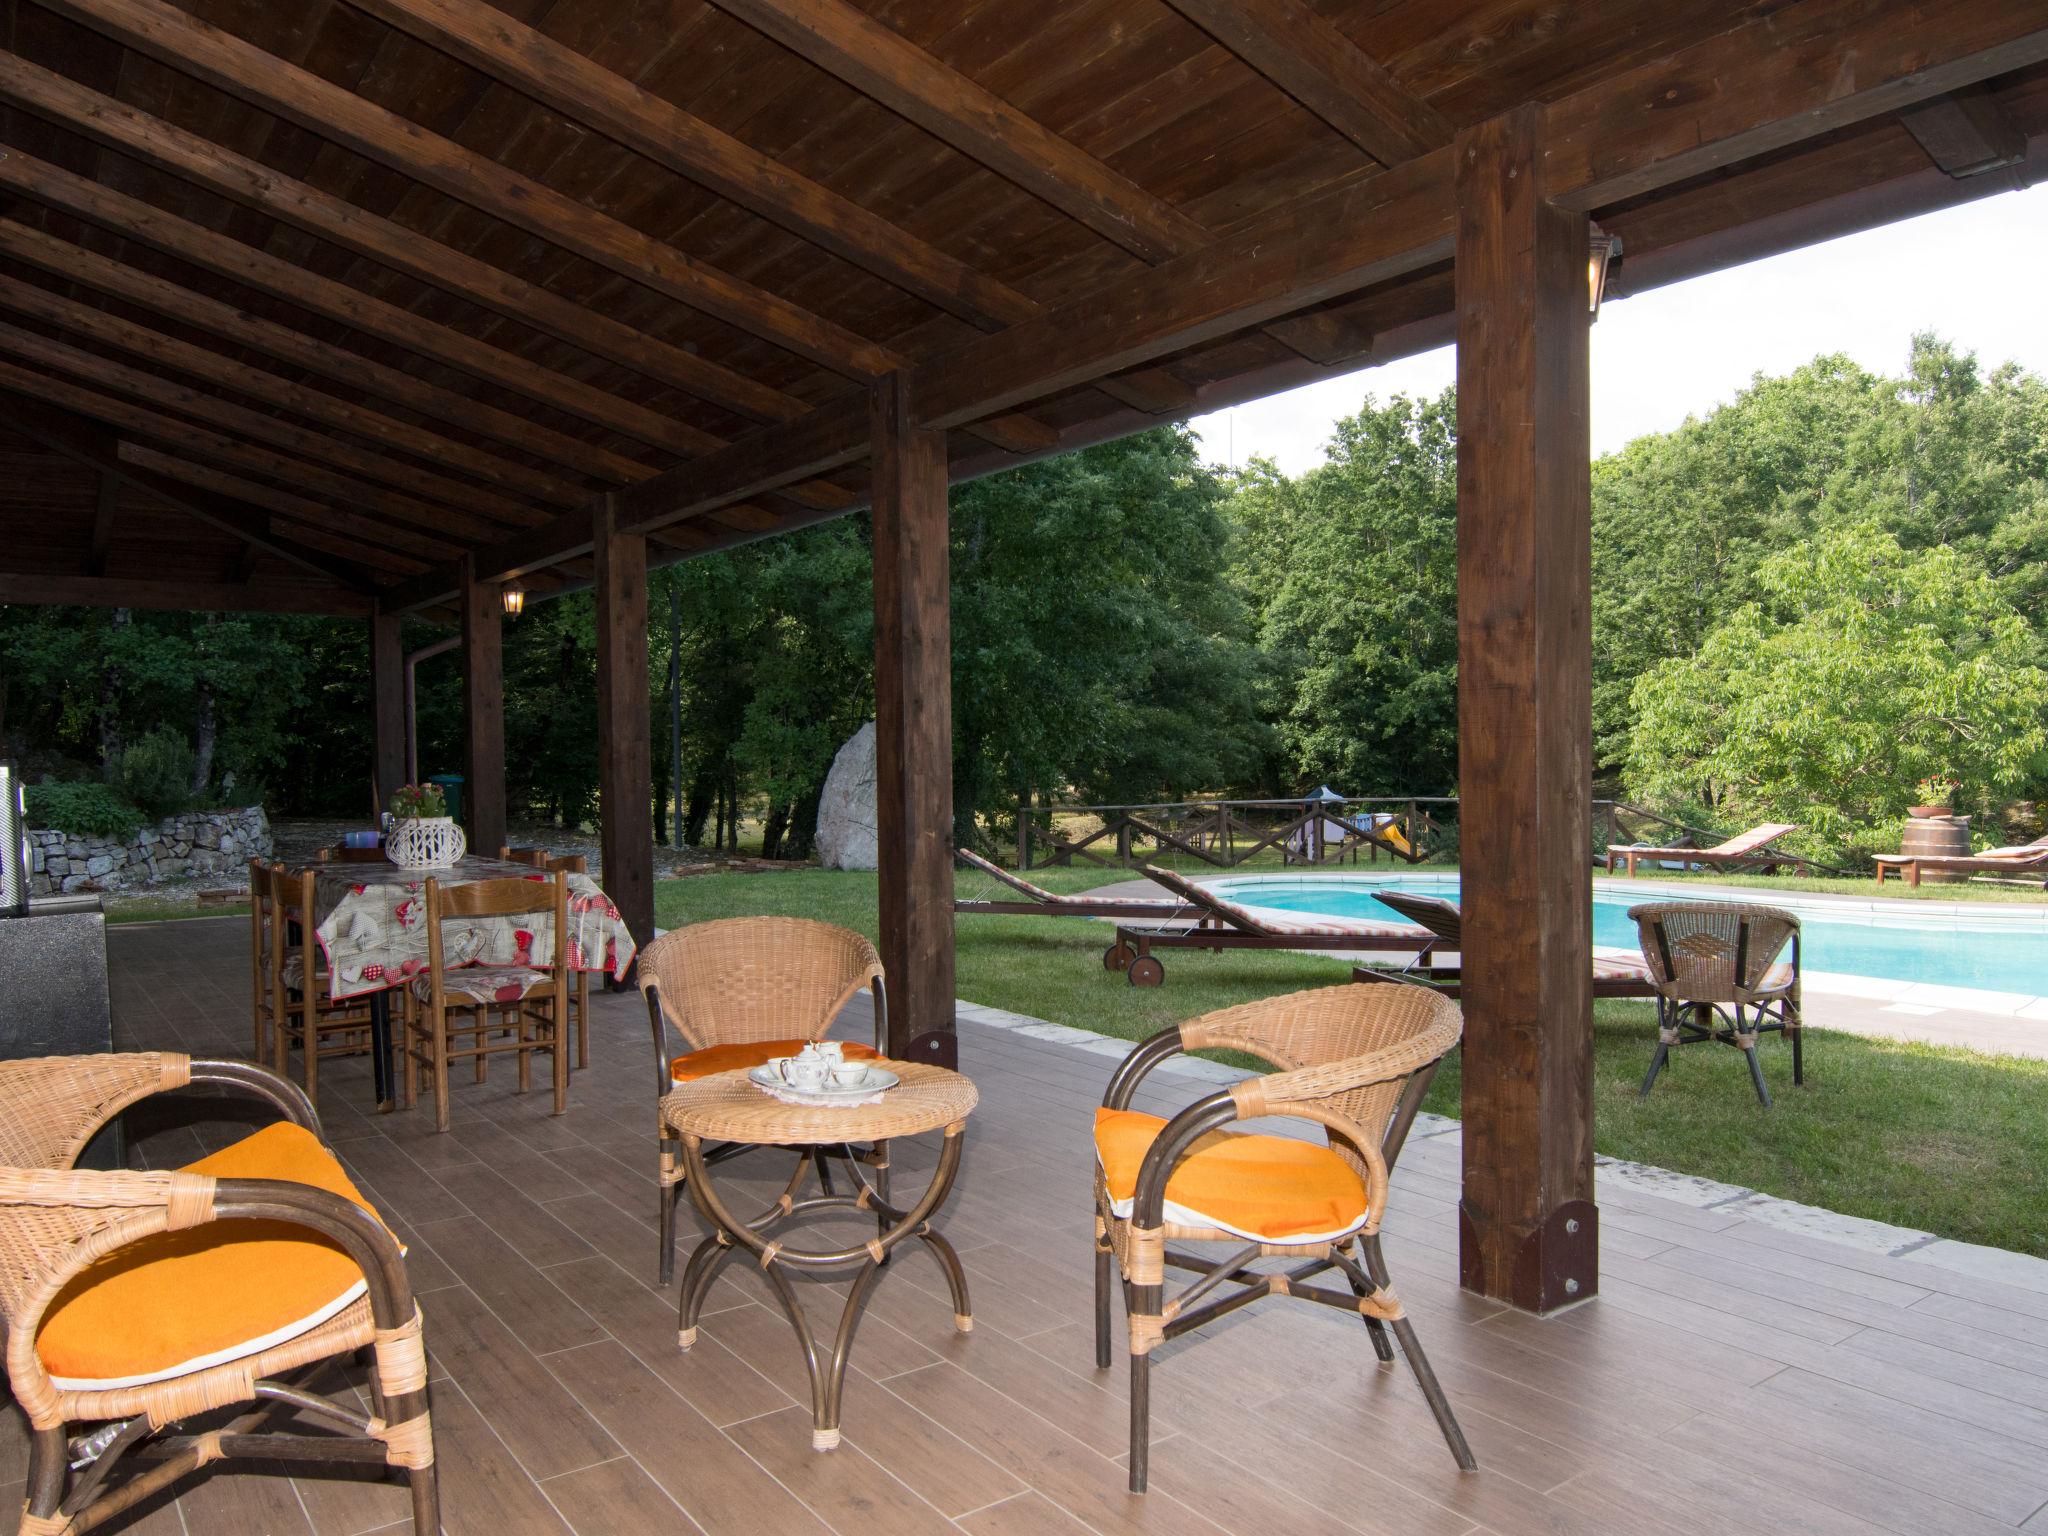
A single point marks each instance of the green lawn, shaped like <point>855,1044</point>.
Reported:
<point>1947,1141</point>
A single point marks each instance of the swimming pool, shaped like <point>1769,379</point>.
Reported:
<point>1990,949</point>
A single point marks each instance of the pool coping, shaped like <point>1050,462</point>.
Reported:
<point>1912,994</point>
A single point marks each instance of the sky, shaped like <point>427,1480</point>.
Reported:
<point>1973,274</point>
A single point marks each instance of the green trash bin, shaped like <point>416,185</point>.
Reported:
<point>451,786</point>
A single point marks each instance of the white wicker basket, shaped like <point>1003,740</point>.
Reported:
<point>425,842</point>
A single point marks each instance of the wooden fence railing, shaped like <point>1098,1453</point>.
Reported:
<point>1227,833</point>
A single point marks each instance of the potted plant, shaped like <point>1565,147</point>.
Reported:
<point>423,835</point>
<point>1937,796</point>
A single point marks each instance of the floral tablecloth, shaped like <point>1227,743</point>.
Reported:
<point>371,920</point>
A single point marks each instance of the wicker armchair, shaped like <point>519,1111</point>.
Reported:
<point>740,991</point>
<point>1355,1060</point>
<point>77,1245</point>
<point>1717,973</point>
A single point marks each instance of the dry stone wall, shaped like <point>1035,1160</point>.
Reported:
<point>195,845</point>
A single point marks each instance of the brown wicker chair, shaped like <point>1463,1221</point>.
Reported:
<point>739,991</point>
<point>1717,973</point>
<point>1355,1060</point>
<point>300,1012</point>
<point>491,1010</point>
<point>67,1233</point>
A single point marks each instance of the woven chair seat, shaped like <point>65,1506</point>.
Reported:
<point>1269,1189</point>
<point>714,1059</point>
<point>180,1302</point>
<point>486,984</point>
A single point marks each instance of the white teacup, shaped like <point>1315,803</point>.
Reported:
<point>849,1074</point>
<point>805,1071</point>
<point>831,1050</point>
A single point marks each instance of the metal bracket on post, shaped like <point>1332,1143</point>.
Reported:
<point>1557,1265</point>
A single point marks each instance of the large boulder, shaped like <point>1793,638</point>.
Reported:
<point>846,810</point>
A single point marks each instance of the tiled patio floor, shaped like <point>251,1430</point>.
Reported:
<point>1731,1377</point>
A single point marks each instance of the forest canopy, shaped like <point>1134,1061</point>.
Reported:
<point>1803,602</point>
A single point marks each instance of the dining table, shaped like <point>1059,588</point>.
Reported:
<point>370,919</point>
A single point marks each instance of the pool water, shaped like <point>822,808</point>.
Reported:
<point>2000,951</point>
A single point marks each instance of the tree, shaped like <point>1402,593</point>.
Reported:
<point>1862,667</point>
<point>1352,570</point>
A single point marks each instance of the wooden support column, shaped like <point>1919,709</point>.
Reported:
<point>913,726</point>
<point>624,762</point>
<point>387,706</point>
<point>1528,1228</point>
<point>483,712</point>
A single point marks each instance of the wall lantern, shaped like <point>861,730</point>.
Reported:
<point>515,600</point>
<point>1603,250</point>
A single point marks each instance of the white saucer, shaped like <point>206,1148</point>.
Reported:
<point>875,1080</point>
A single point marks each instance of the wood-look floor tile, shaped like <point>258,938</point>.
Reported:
<point>539,1421</point>
<point>846,1488</point>
<point>616,1497</point>
<point>1028,1514</point>
<point>527,1301</point>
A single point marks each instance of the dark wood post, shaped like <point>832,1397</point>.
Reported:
<point>1528,1229</point>
<point>624,755</point>
<point>483,712</point>
<point>913,725</point>
<point>387,706</point>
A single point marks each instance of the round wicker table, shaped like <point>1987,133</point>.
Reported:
<point>727,1108</point>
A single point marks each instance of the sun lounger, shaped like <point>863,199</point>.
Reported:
<point>1039,902</point>
<point>2020,858</point>
<point>1613,975</point>
<point>1231,926</point>
<point>1750,850</point>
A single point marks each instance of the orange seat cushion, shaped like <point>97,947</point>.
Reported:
<point>1263,1188</point>
<point>177,1302</point>
<point>714,1059</point>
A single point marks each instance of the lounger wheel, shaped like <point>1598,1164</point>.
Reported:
<point>1118,956</point>
<point>1145,971</point>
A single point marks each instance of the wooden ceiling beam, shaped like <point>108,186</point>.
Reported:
<point>182,596</point>
<point>62,259</point>
<point>273,389</point>
<point>1804,70</point>
<point>257,186</point>
<point>849,44</point>
<point>85,441</point>
<point>299,510</point>
<point>528,60</point>
<point>185,437</point>
<point>1966,133</point>
<point>167,394</point>
<point>153,226</point>
<point>1308,58</point>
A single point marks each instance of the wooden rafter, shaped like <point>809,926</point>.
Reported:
<point>138,220</point>
<point>62,259</point>
<point>81,441</point>
<point>847,43</point>
<point>1307,57</point>
<point>106,502</point>
<point>194,47</point>
<point>273,389</point>
<point>1806,70</point>
<point>1966,133</point>
<point>300,474</point>
<point>224,415</point>
<point>529,60</point>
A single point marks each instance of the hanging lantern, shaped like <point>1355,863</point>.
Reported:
<point>515,600</point>
<point>1602,251</point>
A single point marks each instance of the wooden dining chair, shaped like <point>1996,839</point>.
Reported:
<point>301,1011</point>
<point>473,1012</point>
<point>341,854</point>
<point>533,858</point>
<point>1352,1060</point>
<point>579,979</point>
<point>261,1000</point>
<point>740,991</point>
